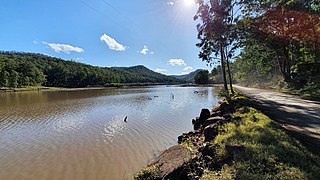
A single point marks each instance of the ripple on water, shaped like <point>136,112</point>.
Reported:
<point>113,129</point>
<point>81,135</point>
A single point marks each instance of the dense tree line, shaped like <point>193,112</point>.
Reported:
<point>276,38</point>
<point>202,77</point>
<point>29,69</point>
<point>281,39</point>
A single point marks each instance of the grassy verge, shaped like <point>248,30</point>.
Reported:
<point>269,153</point>
<point>30,88</point>
<point>44,88</point>
<point>148,173</point>
<point>248,145</point>
<point>310,91</point>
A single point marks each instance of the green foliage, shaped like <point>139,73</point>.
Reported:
<point>202,77</point>
<point>4,78</point>
<point>225,94</point>
<point>217,33</point>
<point>279,38</point>
<point>148,173</point>
<point>216,71</point>
<point>28,69</point>
<point>13,79</point>
<point>255,61</point>
<point>309,91</point>
<point>269,152</point>
<point>215,75</point>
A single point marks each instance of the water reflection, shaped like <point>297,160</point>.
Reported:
<point>81,134</point>
<point>113,129</point>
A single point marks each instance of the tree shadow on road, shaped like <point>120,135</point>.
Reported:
<point>296,124</point>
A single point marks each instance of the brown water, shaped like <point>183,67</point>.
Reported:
<point>81,134</point>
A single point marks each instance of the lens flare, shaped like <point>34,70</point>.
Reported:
<point>188,2</point>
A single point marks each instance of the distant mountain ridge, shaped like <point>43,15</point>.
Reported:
<point>189,78</point>
<point>29,69</point>
<point>149,75</point>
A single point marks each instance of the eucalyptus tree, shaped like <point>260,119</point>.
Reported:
<point>216,33</point>
<point>291,28</point>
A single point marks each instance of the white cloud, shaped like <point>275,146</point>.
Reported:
<point>161,70</point>
<point>144,50</point>
<point>63,48</point>
<point>112,43</point>
<point>170,3</point>
<point>35,42</point>
<point>188,68</point>
<point>178,62</point>
<point>151,52</point>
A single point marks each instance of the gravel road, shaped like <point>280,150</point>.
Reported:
<point>299,116</point>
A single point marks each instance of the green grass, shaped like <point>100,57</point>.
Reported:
<point>41,88</point>
<point>310,91</point>
<point>269,152</point>
<point>148,173</point>
<point>31,88</point>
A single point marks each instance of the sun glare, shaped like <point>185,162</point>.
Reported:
<point>188,2</point>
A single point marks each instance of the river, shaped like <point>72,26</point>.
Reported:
<point>81,134</point>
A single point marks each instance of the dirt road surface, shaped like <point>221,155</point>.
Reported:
<point>300,117</point>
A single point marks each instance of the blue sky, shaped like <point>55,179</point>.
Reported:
<point>159,34</point>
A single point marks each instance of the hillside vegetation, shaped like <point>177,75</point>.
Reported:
<point>29,69</point>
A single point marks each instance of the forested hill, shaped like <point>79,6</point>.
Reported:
<point>29,69</point>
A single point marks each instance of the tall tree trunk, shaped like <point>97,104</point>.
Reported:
<point>316,51</point>
<point>280,64</point>
<point>229,73</point>
<point>223,68</point>
<point>287,66</point>
<point>316,43</point>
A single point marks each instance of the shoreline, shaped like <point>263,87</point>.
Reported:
<point>229,139</point>
<point>44,89</point>
<point>115,86</point>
